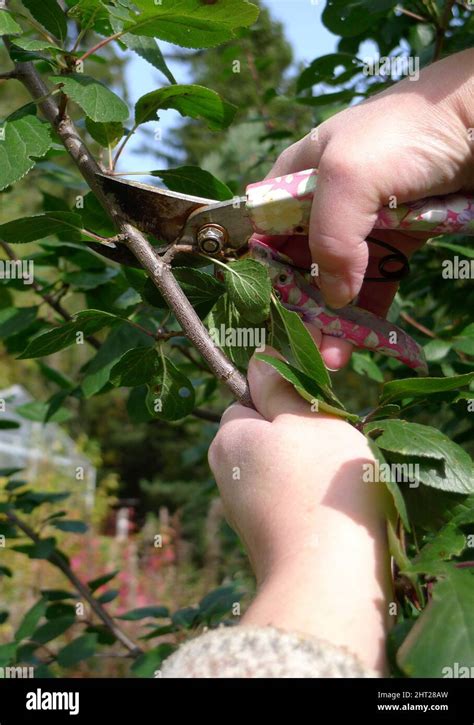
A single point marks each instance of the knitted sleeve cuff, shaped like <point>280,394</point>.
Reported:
<point>236,652</point>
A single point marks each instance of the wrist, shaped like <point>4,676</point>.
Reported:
<point>335,587</point>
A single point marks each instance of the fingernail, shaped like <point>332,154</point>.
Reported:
<point>261,367</point>
<point>336,291</point>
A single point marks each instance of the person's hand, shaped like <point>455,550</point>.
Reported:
<point>412,141</point>
<point>292,488</point>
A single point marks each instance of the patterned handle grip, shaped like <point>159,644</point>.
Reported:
<point>283,206</point>
<point>358,326</point>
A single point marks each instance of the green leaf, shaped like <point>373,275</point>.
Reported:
<point>14,320</point>
<point>218,602</point>
<point>40,497</point>
<point>96,100</point>
<point>448,542</point>
<point>7,472</point>
<point>450,467</point>
<point>86,322</point>
<point>52,629</point>
<point>186,618</point>
<point>106,134</point>
<point>30,620</point>
<point>7,653</point>
<point>436,350</point>
<point>148,49</point>
<point>465,251</point>
<point>392,486</point>
<point>195,181</point>
<point>322,70</point>
<point>73,527</point>
<point>363,364</point>
<point>307,387</point>
<point>89,279</point>
<point>8,424</point>
<point>464,342</point>
<point>54,595</point>
<point>143,612</point>
<point>26,138</point>
<point>191,23</point>
<point>50,15</point>
<point>422,387</point>
<point>303,347</point>
<point>41,550</point>
<point>442,635</point>
<point>29,229</point>
<point>8,24</point>
<point>202,290</point>
<point>352,18</point>
<point>32,45</point>
<point>249,288</point>
<point>189,100</point>
<point>108,596</point>
<point>148,664</point>
<point>55,376</point>
<point>93,15</point>
<point>80,649</point>
<point>122,338</point>
<point>137,367</point>
<point>95,584</point>
<point>170,395</point>
<point>5,571</point>
<point>38,411</point>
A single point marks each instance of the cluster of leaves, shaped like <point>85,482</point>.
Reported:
<point>137,343</point>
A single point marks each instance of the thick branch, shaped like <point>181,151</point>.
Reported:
<point>82,588</point>
<point>159,272</point>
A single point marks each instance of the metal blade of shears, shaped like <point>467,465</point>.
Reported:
<point>152,210</point>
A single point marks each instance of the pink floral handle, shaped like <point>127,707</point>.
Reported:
<point>358,326</point>
<point>283,206</point>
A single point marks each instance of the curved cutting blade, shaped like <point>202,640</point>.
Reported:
<point>155,211</point>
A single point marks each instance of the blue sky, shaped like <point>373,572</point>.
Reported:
<point>303,27</point>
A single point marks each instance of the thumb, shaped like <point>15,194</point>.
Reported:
<point>343,214</point>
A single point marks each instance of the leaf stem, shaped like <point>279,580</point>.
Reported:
<point>98,46</point>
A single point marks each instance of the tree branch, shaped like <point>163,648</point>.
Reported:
<point>56,559</point>
<point>159,272</point>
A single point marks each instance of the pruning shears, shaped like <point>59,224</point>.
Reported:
<point>281,207</point>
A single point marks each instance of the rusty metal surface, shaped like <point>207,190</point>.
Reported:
<point>152,210</point>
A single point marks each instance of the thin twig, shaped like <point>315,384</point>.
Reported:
<point>56,559</point>
<point>411,321</point>
<point>410,14</point>
<point>159,272</point>
<point>8,76</point>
